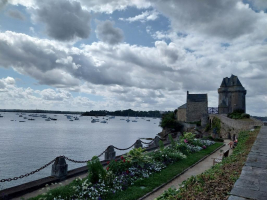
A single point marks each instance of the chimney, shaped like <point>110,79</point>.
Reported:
<point>187,92</point>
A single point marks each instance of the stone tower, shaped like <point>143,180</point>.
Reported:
<point>232,95</point>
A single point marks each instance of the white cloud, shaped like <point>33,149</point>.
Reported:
<point>145,16</point>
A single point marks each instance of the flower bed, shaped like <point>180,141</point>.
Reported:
<point>128,171</point>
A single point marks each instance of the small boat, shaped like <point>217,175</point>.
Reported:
<point>20,115</point>
<point>122,119</point>
<point>148,120</point>
<point>134,121</point>
<point>94,120</point>
<point>1,116</point>
<point>54,119</point>
<point>12,120</point>
<point>25,118</point>
<point>21,121</point>
<point>47,119</point>
<point>31,119</point>
<point>103,121</point>
<point>127,120</point>
<point>76,118</point>
<point>71,120</point>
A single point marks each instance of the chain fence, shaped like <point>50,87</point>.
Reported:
<point>69,159</point>
<point>27,174</point>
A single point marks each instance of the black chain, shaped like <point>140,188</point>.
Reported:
<point>85,161</point>
<point>28,174</point>
<point>124,149</point>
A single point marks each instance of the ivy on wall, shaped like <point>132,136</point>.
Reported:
<point>216,124</point>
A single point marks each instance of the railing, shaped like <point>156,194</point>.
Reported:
<point>213,110</point>
<point>59,168</point>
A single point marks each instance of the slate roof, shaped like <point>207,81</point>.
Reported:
<point>197,97</point>
<point>182,106</point>
<point>232,81</point>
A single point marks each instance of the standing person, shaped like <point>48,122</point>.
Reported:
<point>231,144</point>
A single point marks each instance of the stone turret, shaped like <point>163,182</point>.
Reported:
<point>232,95</point>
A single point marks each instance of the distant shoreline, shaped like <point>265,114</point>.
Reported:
<point>41,111</point>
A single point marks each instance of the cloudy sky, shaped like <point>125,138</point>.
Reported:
<point>139,54</point>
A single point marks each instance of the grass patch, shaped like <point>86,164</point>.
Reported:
<point>217,182</point>
<point>134,192</point>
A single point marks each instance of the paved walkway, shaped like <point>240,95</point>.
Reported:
<point>252,182</point>
<point>197,169</point>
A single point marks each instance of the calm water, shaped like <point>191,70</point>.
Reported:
<point>27,146</point>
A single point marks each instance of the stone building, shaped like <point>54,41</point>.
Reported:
<point>196,106</point>
<point>232,95</point>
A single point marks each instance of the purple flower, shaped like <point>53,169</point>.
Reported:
<point>204,147</point>
<point>185,140</point>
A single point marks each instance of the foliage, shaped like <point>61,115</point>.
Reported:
<point>161,145</point>
<point>189,137</point>
<point>168,121</point>
<point>198,123</point>
<point>95,170</point>
<point>207,128</point>
<point>167,194</point>
<point>182,147</point>
<point>238,114</point>
<point>119,166</point>
<point>213,139</point>
<point>172,141</point>
<point>216,124</point>
<point>128,112</point>
<point>137,157</point>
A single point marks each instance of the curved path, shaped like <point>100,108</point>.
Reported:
<point>197,169</point>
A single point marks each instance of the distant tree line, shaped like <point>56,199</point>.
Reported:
<point>129,112</point>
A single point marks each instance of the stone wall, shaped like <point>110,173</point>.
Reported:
<point>181,114</point>
<point>195,110</point>
<point>231,127</point>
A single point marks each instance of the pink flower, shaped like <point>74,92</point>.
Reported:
<point>185,140</point>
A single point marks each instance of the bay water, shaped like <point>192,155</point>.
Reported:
<point>27,146</point>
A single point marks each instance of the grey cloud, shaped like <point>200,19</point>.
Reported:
<point>214,18</point>
<point>64,20</point>
<point>16,14</point>
<point>2,4</point>
<point>2,85</point>
<point>109,34</point>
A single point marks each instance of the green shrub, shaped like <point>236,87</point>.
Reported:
<point>137,157</point>
<point>245,115</point>
<point>168,121</point>
<point>188,136</point>
<point>119,166</point>
<point>216,124</point>
<point>95,170</point>
<point>172,141</point>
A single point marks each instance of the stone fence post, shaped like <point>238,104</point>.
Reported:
<point>60,168</point>
<point>156,141</point>
<point>138,144</point>
<point>110,153</point>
